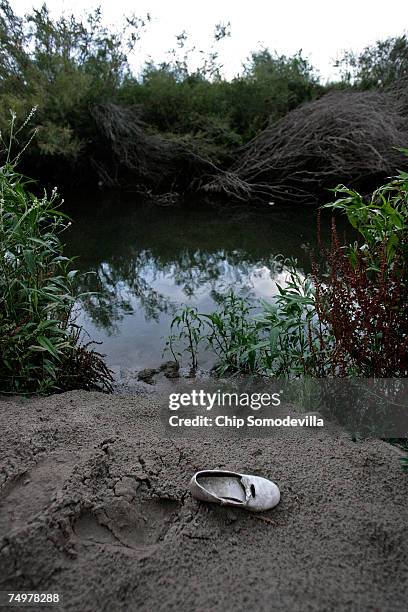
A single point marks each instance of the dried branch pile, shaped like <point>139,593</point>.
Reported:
<point>344,136</point>
<point>134,155</point>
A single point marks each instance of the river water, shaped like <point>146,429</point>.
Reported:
<point>146,260</point>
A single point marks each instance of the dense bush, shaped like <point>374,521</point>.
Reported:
<point>270,86</point>
<point>379,65</point>
<point>363,297</point>
<point>66,67</point>
<point>296,141</point>
<point>61,67</point>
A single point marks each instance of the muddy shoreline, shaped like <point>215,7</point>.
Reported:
<point>94,505</point>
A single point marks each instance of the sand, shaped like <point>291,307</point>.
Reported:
<point>95,505</point>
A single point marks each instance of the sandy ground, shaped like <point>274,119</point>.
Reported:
<point>94,505</point>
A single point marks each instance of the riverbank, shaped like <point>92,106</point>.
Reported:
<point>95,505</point>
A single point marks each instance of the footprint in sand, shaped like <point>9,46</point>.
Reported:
<point>136,524</point>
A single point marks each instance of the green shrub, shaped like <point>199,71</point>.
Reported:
<point>381,220</point>
<point>62,67</point>
<point>270,87</point>
<point>67,67</point>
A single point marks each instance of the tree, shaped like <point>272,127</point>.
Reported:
<point>379,65</point>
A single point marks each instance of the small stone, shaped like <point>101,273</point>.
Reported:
<point>171,369</point>
<point>147,374</point>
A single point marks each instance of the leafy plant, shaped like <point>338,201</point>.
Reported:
<point>188,324</point>
<point>63,67</point>
<point>37,291</point>
<point>233,335</point>
<point>297,344</point>
<point>381,221</point>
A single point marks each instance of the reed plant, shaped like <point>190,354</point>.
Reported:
<point>39,343</point>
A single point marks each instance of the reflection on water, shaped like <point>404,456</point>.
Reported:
<point>146,261</point>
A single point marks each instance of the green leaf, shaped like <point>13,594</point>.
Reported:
<point>47,345</point>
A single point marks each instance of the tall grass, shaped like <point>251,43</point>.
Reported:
<point>38,343</point>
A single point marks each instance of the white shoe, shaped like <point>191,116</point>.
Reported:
<point>232,489</point>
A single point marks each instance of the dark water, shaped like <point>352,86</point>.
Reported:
<point>148,260</point>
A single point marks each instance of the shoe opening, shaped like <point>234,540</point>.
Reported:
<point>224,486</point>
